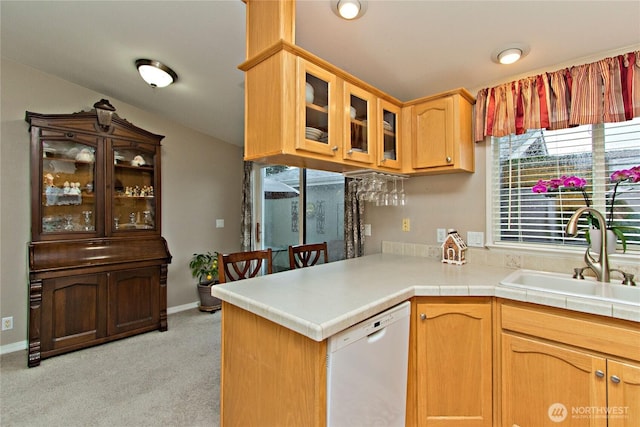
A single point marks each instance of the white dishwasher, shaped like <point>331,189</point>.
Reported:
<point>367,371</point>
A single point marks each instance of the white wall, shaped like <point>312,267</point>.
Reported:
<point>201,178</point>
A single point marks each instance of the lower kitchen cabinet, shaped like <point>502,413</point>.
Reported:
<point>569,369</point>
<point>453,362</point>
<point>541,383</point>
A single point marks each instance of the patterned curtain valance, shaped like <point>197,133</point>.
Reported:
<point>605,91</point>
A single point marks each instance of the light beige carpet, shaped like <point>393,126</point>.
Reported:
<point>156,379</point>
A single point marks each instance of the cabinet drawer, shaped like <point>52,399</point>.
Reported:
<point>610,337</point>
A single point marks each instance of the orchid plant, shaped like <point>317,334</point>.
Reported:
<point>575,183</point>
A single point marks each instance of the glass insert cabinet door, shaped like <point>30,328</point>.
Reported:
<point>318,100</point>
<point>67,196</point>
<point>388,128</point>
<point>134,189</point>
<point>359,132</point>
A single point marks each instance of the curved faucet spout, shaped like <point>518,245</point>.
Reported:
<point>601,266</point>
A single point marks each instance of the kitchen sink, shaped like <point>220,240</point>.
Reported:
<point>565,284</point>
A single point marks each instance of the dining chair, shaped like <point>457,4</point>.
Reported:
<point>243,265</point>
<point>307,255</point>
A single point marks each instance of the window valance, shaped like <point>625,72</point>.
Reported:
<point>605,91</point>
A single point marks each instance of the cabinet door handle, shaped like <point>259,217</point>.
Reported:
<point>350,152</point>
<point>334,148</point>
<point>615,379</point>
<point>599,373</point>
<point>448,159</point>
<point>423,316</point>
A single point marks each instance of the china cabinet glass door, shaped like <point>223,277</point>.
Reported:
<point>134,190</point>
<point>67,201</point>
<point>359,129</point>
<point>318,109</point>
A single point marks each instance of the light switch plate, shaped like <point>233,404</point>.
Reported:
<point>219,223</point>
<point>367,229</point>
<point>441,235</point>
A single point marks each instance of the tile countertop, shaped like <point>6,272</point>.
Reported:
<point>325,299</point>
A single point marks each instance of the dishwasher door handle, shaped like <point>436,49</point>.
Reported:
<point>377,335</point>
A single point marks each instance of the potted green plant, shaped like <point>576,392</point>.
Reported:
<point>204,267</point>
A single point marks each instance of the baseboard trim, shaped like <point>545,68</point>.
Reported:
<point>14,346</point>
<point>22,345</point>
<point>183,307</point>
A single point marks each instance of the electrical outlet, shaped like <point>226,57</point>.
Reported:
<point>367,229</point>
<point>475,238</point>
<point>441,235</point>
<point>7,323</point>
<point>406,225</point>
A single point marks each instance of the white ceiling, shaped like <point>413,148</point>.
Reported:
<point>408,49</point>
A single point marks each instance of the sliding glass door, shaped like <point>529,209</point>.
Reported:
<point>299,206</point>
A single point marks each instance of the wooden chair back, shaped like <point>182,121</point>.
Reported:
<point>307,255</point>
<point>243,265</point>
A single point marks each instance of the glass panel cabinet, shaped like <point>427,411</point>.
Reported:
<point>97,260</point>
<point>389,131</point>
<point>359,129</point>
<point>67,198</point>
<point>134,187</point>
<point>317,96</point>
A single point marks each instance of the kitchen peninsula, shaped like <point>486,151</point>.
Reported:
<point>275,330</point>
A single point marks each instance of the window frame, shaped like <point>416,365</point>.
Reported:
<point>493,217</point>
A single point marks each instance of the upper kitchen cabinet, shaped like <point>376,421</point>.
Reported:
<point>318,104</point>
<point>291,111</point>
<point>359,120</point>
<point>441,137</point>
<point>302,111</point>
<point>388,127</point>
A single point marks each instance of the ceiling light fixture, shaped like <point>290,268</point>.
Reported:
<point>155,73</point>
<point>509,56</point>
<point>510,53</point>
<point>349,9</point>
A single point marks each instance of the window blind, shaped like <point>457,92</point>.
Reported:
<point>591,152</point>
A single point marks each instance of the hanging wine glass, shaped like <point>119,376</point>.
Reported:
<point>393,197</point>
<point>402,198</point>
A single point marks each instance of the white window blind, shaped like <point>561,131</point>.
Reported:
<point>591,152</point>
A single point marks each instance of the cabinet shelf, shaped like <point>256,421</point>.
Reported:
<point>131,167</point>
<point>135,197</point>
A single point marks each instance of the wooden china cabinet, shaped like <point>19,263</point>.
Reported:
<point>97,259</point>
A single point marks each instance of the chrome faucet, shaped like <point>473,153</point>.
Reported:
<point>600,267</point>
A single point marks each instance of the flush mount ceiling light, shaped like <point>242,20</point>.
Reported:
<point>155,73</point>
<point>349,9</point>
<point>509,54</point>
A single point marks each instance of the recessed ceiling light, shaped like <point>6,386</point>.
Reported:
<point>155,73</point>
<point>509,56</point>
<point>349,9</point>
<point>510,53</point>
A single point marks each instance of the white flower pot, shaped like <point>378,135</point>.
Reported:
<point>594,233</point>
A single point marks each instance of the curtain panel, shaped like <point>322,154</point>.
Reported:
<point>606,91</point>
<point>246,220</point>
<point>353,220</point>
